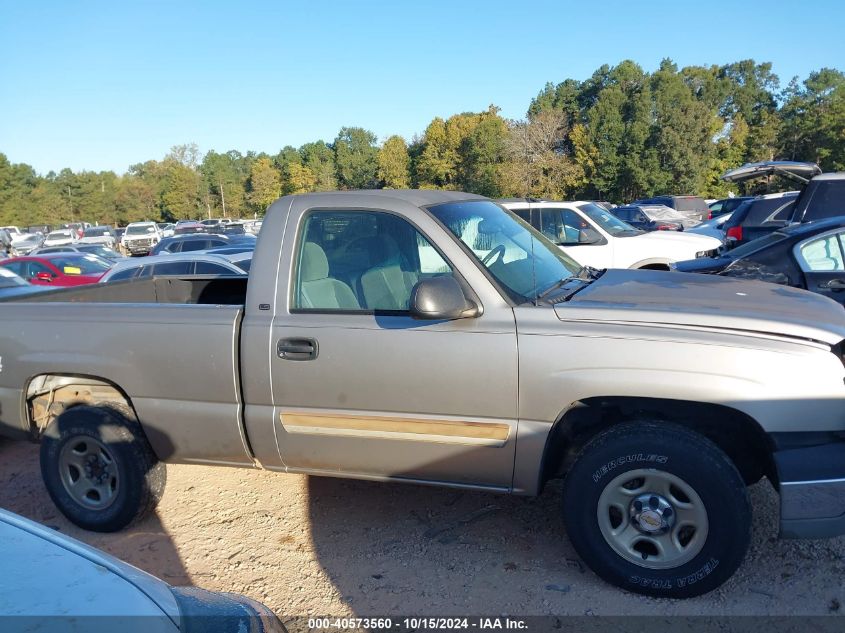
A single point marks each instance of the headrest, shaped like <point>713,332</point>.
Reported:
<point>314,264</point>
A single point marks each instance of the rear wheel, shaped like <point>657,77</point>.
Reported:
<point>657,509</point>
<point>99,468</point>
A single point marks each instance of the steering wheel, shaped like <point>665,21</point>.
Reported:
<point>498,252</point>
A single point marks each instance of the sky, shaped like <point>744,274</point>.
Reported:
<point>96,85</point>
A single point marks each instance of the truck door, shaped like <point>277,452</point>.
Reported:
<point>822,260</point>
<point>360,388</point>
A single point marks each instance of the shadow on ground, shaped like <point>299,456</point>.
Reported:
<point>147,545</point>
<point>397,549</point>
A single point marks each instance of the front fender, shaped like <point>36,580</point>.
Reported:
<point>784,386</point>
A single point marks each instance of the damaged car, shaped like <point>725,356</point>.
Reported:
<point>809,256</point>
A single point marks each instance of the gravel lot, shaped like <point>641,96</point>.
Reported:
<point>312,546</point>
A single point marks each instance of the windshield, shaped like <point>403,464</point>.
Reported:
<point>96,232</point>
<point>607,221</point>
<point>58,235</point>
<point>521,260</point>
<point>84,265</point>
<point>29,239</point>
<point>141,230</point>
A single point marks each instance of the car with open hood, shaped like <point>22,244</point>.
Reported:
<point>821,195</point>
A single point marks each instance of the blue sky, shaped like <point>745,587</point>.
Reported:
<point>102,85</point>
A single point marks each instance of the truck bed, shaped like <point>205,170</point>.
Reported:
<point>200,289</point>
<point>171,344</point>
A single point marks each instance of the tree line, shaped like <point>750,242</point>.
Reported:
<point>621,134</point>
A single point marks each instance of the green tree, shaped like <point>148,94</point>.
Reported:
<point>394,164</point>
<point>319,158</point>
<point>356,158</point>
<point>813,120</point>
<point>180,198</point>
<point>265,184</point>
<point>298,179</point>
<point>224,181</point>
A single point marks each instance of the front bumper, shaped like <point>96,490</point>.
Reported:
<point>812,490</point>
<point>136,249</point>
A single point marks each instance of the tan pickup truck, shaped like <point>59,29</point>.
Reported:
<point>436,338</point>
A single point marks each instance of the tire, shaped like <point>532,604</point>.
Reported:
<point>682,542</point>
<point>121,480</point>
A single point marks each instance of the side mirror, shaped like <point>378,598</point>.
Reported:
<point>441,299</point>
<point>44,277</point>
<point>588,236</point>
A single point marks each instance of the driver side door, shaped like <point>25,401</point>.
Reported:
<point>362,389</point>
<point>822,261</point>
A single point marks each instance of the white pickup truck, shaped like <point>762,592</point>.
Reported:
<point>594,237</point>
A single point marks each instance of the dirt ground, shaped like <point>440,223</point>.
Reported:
<point>315,546</point>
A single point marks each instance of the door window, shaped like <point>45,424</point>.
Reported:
<point>195,245</point>
<point>210,268</point>
<point>16,267</point>
<point>34,268</point>
<point>129,273</point>
<point>823,254</point>
<point>564,226</point>
<point>525,214</point>
<point>361,261</point>
<point>173,268</point>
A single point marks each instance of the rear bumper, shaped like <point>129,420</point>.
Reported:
<point>812,491</point>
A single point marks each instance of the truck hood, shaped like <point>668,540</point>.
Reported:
<point>656,297</point>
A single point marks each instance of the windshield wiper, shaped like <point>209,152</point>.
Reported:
<point>586,275</point>
<point>555,286</point>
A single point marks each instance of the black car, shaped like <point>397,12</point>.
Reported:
<point>726,205</point>
<point>808,255</point>
<point>197,242</point>
<point>693,207</point>
<point>759,216</point>
<point>653,217</point>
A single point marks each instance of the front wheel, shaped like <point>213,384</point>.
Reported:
<point>657,509</point>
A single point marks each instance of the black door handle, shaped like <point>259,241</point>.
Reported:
<point>297,348</point>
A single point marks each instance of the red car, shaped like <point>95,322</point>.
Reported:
<point>58,269</point>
